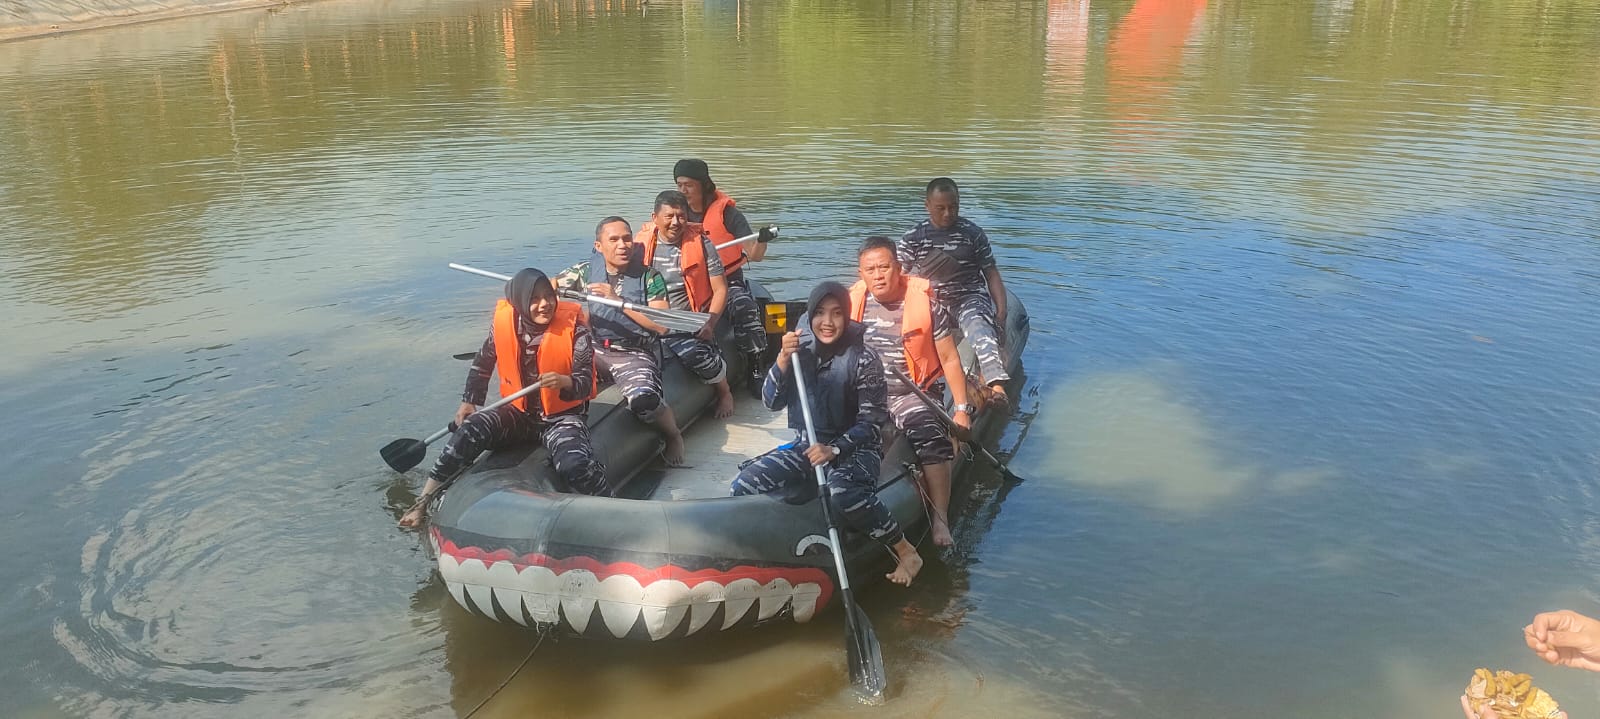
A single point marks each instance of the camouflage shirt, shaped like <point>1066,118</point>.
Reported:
<point>883,322</point>
<point>576,279</point>
<point>666,262</point>
<point>963,242</point>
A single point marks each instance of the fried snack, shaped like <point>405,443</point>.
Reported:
<point>1511,696</point>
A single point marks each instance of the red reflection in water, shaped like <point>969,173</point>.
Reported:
<point>1144,58</point>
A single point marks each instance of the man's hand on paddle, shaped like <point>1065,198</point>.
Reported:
<point>466,409</point>
<point>963,420</point>
<point>708,331</point>
<point>556,380</point>
<point>820,454</point>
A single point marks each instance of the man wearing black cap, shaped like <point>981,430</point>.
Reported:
<point>848,402</point>
<point>722,221</point>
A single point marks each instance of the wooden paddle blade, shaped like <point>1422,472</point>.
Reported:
<point>867,675</point>
<point>403,454</point>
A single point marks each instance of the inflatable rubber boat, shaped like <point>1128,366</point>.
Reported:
<point>673,555</point>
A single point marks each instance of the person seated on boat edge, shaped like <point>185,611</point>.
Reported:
<point>533,338</point>
<point>954,253</point>
<point>913,332</point>
<point>718,214</point>
<point>848,403</point>
<point>684,256</point>
<point>625,341</point>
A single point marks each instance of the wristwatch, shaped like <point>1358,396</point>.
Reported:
<point>835,450</point>
<point>968,408</point>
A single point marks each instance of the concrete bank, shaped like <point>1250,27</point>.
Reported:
<point>32,18</point>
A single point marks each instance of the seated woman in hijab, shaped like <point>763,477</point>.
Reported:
<point>534,339</point>
<point>845,390</point>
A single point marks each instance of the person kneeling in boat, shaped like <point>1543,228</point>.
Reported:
<point>716,212</point>
<point>625,341</point>
<point>533,339</point>
<point>848,403</point>
<point>955,254</point>
<point>911,332</point>
<point>684,256</point>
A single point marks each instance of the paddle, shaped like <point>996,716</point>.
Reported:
<point>747,238</point>
<point>861,643</point>
<point>403,454</point>
<point>956,429</point>
<point>673,320</point>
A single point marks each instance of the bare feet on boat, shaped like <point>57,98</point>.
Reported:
<point>672,454</point>
<point>910,563</point>
<point>941,532</point>
<point>724,401</point>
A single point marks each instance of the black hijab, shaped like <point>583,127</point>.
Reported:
<point>520,292</point>
<point>852,330</point>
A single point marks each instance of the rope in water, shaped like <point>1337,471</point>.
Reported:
<point>513,675</point>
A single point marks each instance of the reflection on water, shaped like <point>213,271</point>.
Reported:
<point>1124,432</point>
<point>1314,299</point>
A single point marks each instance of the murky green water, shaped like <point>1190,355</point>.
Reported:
<point>1312,426</point>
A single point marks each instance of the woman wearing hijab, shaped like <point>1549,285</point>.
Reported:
<point>534,340</point>
<point>845,389</point>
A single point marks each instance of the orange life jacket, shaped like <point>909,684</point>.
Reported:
<point>717,229</point>
<point>555,355</point>
<point>691,259</point>
<point>916,327</point>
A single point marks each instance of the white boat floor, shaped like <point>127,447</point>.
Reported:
<point>714,448</point>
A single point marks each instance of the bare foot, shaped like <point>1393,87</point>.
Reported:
<point>941,532</point>
<point>910,564</point>
<point>724,401</point>
<point>672,454</point>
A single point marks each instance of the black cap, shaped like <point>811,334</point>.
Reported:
<point>693,169</point>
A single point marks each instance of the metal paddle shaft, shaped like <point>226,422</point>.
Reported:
<point>865,657</point>
<point>956,429</point>
<point>747,238</point>
<point>403,454</point>
<point>673,320</point>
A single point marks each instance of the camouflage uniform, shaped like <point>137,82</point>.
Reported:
<point>704,359</point>
<point>852,477</point>
<point>565,434</point>
<point>744,312</point>
<point>923,428</point>
<point>964,291</point>
<point>634,366</point>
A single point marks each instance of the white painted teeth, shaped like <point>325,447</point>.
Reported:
<point>540,595</point>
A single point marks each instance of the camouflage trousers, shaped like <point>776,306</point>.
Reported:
<point>852,484</point>
<point>702,359</point>
<point>975,312</point>
<point>565,436</point>
<point>637,372</point>
<point>744,312</point>
<point>929,437</point>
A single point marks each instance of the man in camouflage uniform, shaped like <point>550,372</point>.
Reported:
<point>626,348</point>
<point>531,309</point>
<point>667,239</point>
<point>903,318</point>
<point>953,253</point>
<point>722,221</point>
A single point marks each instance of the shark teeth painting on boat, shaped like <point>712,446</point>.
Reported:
<point>629,599</point>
